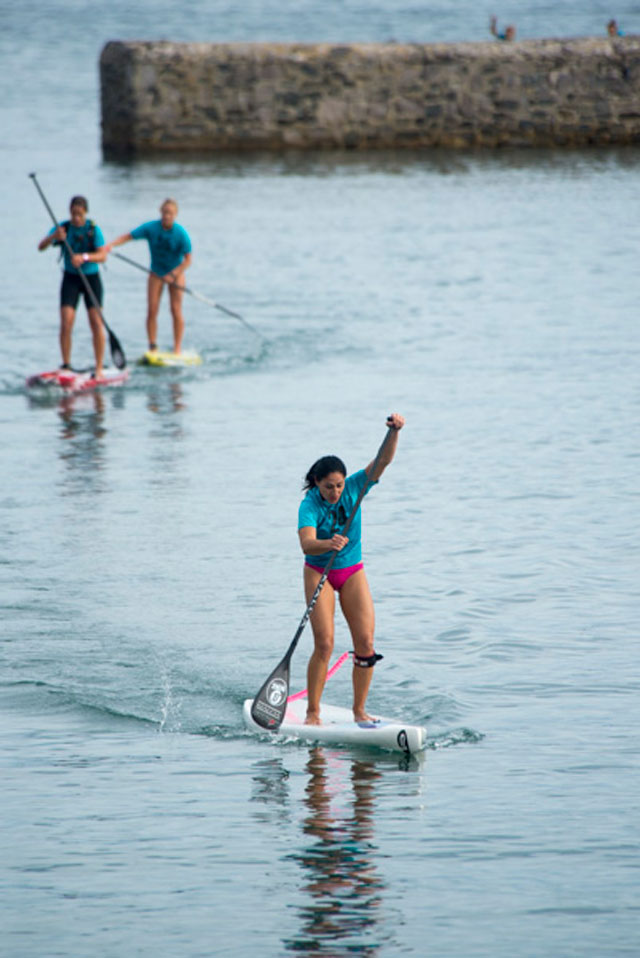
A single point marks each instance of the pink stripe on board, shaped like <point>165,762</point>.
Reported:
<point>334,668</point>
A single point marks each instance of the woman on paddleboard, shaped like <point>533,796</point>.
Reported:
<point>323,513</point>
<point>170,248</point>
<point>86,242</point>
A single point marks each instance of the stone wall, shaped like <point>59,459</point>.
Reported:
<point>218,96</point>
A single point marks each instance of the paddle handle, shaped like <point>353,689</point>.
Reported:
<point>43,198</point>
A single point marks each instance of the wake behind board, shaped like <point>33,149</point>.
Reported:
<point>156,357</point>
<point>339,728</point>
<point>76,381</point>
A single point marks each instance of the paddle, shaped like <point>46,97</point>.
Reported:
<point>270,704</point>
<point>117,353</point>
<point>191,292</point>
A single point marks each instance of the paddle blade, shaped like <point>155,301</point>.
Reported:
<point>270,703</point>
<point>117,353</point>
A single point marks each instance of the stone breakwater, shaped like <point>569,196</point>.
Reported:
<point>232,96</point>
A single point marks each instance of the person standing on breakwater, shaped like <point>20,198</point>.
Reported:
<point>508,34</point>
<point>323,513</point>
<point>613,30</point>
<point>86,242</point>
<point>170,248</point>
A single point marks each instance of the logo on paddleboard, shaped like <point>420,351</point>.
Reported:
<point>277,692</point>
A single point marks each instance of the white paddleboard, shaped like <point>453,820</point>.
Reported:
<point>339,728</point>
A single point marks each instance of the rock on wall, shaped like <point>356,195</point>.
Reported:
<point>229,96</point>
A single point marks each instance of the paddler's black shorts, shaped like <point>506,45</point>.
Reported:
<point>73,287</point>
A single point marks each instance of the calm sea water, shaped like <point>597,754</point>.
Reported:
<point>150,576</point>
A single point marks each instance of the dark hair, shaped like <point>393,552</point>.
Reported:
<point>79,201</point>
<point>322,468</point>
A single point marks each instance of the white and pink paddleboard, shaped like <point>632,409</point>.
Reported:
<point>77,381</point>
<point>339,728</point>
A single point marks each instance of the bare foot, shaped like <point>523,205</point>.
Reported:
<point>363,717</point>
<point>313,718</point>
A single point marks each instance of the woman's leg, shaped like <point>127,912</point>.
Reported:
<point>154,292</point>
<point>357,606</point>
<point>98,335</point>
<point>175,297</point>
<point>322,624</point>
<point>67,317</point>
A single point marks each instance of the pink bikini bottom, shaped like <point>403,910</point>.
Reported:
<point>338,577</point>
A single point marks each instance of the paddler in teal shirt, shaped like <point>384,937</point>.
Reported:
<point>330,498</point>
<point>170,248</point>
<point>87,250</point>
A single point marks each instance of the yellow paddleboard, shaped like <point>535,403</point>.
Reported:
<point>155,357</point>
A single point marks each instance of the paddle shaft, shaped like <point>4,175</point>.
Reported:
<point>116,349</point>
<point>191,292</point>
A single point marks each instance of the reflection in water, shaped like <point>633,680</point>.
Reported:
<point>271,790</point>
<point>164,400</point>
<point>342,913</point>
<point>166,397</point>
<point>341,879</point>
<point>82,431</point>
<point>334,163</point>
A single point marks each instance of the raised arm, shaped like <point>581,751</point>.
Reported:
<point>395,421</point>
